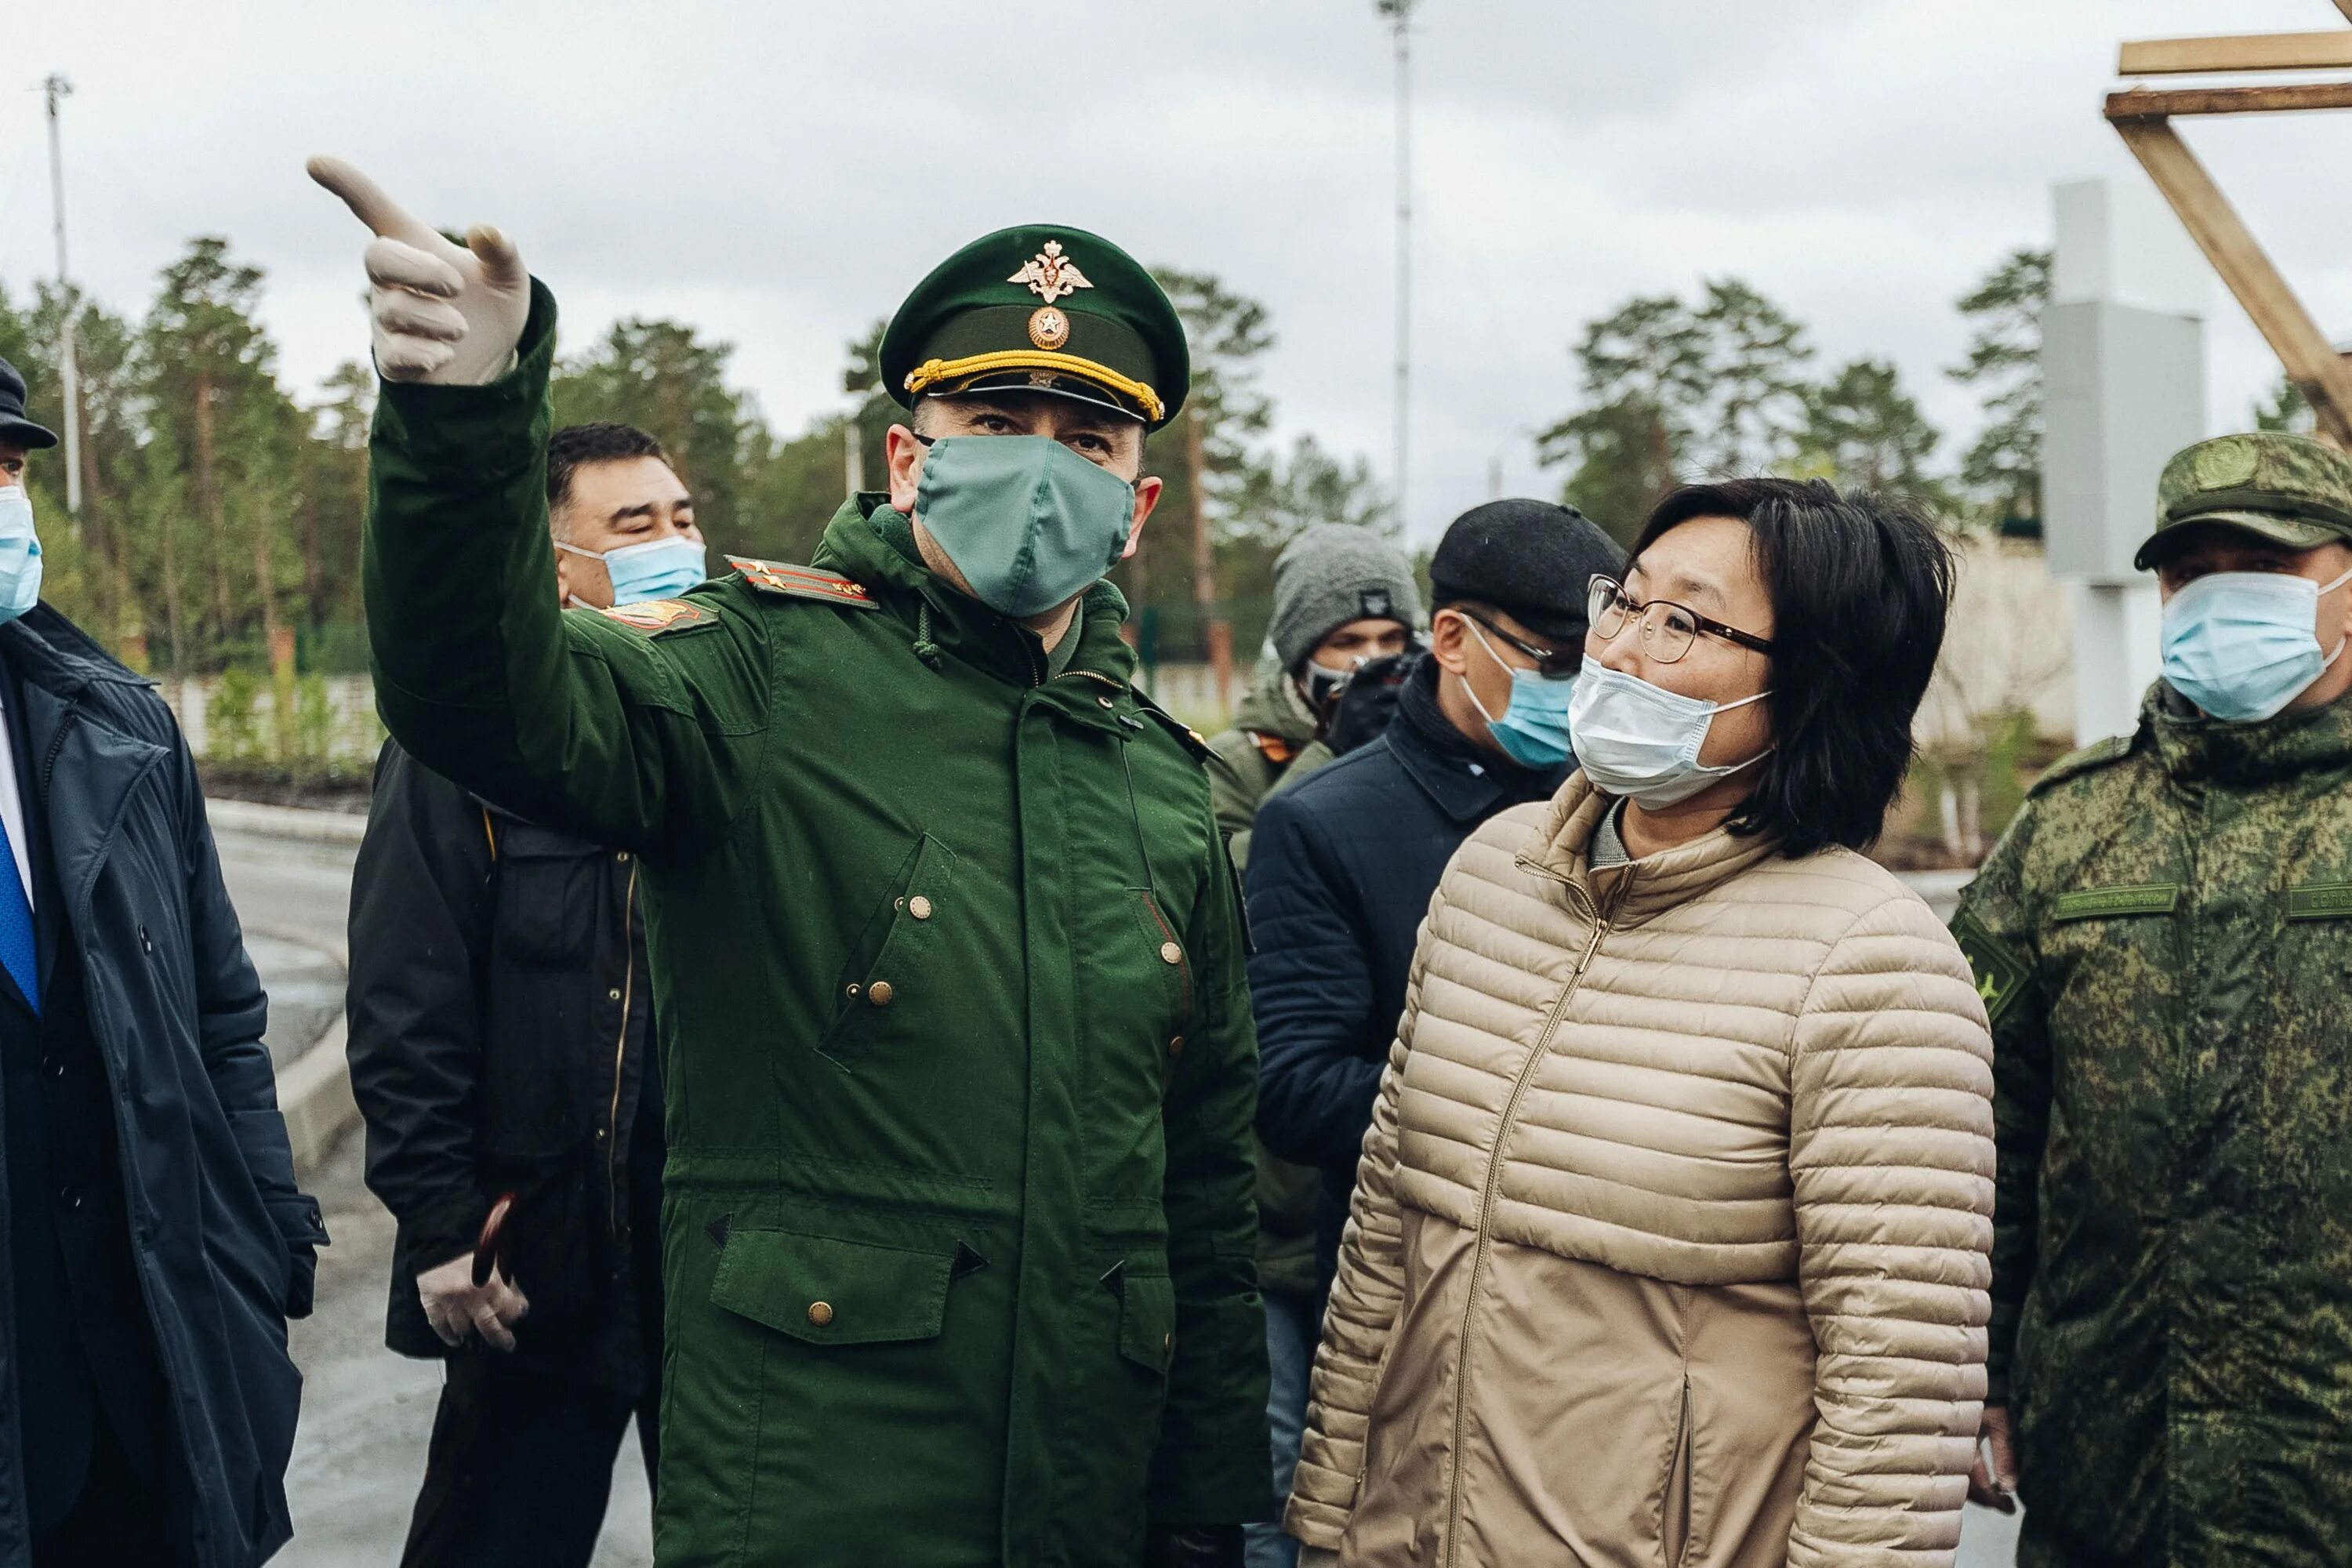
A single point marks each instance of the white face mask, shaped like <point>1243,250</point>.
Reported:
<point>1643,741</point>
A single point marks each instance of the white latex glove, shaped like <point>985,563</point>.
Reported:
<point>446,314</point>
<point>1317,1557</point>
<point>456,1307</point>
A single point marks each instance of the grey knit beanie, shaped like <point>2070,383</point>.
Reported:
<point>1333,573</point>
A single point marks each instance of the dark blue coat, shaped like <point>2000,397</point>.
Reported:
<point>222,1241</point>
<point>1341,869</point>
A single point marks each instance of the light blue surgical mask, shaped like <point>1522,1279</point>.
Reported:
<point>2241,645</point>
<point>1030,523</point>
<point>1534,729</point>
<point>20,553</point>
<point>1641,742</point>
<point>657,569</point>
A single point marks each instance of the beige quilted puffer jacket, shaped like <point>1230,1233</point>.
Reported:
<point>1669,1238</point>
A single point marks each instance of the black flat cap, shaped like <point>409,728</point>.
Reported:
<point>15,428</point>
<point>1532,560</point>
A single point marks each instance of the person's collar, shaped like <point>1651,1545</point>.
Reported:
<point>1636,890</point>
<point>1463,777</point>
<point>873,544</point>
<point>2194,750</point>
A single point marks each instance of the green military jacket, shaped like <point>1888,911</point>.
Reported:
<point>956,1044</point>
<point>1272,746</point>
<point>2163,939</point>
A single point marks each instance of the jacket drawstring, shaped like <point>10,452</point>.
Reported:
<point>925,648</point>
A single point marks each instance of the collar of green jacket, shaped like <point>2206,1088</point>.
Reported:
<point>870,543</point>
<point>1274,707</point>
<point>2196,750</point>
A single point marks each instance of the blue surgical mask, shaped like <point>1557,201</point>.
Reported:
<point>1030,523</point>
<point>20,553</point>
<point>2241,645</point>
<point>1533,730</point>
<point>1641,742</point>
<point>657,569</point>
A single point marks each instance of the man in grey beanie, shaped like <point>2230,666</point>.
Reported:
<point>1342,596</point>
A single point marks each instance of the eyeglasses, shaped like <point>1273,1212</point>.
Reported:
<point>1554,663</point>
<point>1668,629</point>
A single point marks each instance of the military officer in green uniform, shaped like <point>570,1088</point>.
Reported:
<point>2163,940</point>
<point>958,1225</point>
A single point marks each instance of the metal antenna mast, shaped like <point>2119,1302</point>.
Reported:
<point>1400,15</point>
<point>68,374</point>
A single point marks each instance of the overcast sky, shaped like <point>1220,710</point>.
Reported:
<point>779,174</point>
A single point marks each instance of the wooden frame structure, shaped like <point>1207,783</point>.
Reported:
<point>2143,117</point>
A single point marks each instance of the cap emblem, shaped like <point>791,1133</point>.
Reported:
<point>1048,327</point>
<point>1375,604</point>
<point>1050,275</point>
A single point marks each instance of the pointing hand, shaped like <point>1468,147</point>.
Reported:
<point>446,314</point>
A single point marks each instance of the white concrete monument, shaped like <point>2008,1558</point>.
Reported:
<point>2123,370</point>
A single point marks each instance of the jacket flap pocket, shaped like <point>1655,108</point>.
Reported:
<point>1146,1319</point>
<point>829,1291</point>
<point>2100,903</point>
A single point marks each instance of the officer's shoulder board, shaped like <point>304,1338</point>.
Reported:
<point>2105,754</point>
<point>657,617</point>
<point>1192,740</point>
<point>803,582</point>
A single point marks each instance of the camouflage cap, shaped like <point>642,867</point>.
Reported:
<point>2289,490</point>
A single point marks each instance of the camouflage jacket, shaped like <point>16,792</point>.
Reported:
<point>2163,940</point>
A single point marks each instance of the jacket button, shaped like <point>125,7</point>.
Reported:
<point>144,943</point>
<point>880,993</point>
<point>614,994</point>
<point>851,990</point>
<point>1104,700</point>
<point>820,1313</point>
<point>621,855</point>
<point>1176,1046</point>
<point>52,1066</point>
<point>1170,954</point>
<point>919,907</point>
<point>1167,1344</point>
<point>68,1198</point>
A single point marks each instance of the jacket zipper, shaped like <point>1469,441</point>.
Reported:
<point>619,1054</point>
<point>1486,1215</point>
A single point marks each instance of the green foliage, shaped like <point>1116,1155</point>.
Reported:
<point>666,379</point>
<point>314,723</point>
<point>1672,391</point>
<point>2286,409</point>
<point>1862,429</point>
<point>2001,469</point>
<point>232,724</point>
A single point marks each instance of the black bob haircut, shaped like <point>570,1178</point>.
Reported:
<point>1860,588</point>
<point>576,445</point>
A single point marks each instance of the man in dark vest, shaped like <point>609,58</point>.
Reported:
<point>156,1243</point>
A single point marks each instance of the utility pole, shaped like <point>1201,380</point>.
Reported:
<point>68,374</point>
<point>1400,17</point>
<point>853,453</point>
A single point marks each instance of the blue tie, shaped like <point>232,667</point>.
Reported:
<point>18,949</point>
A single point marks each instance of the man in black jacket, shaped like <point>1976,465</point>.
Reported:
<point>155,1242</point>
<point>501,1041</point>
<point>1343,866</point>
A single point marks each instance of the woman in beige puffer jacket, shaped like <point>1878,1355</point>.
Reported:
<point>1669,1239</point>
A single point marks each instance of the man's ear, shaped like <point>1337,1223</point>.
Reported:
<point>902,456</point>
<point>1147,496</point>
<point>1448,634</point>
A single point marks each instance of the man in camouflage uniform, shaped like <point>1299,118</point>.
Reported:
<point>2163,939</point>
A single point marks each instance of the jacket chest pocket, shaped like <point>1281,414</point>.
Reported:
<point>1163,955</point>
<point>888,970</point>
<point>546,902</point>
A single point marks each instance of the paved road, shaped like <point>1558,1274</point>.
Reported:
<point>366,1413</point>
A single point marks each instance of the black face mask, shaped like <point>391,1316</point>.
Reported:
<point>1324,685</point>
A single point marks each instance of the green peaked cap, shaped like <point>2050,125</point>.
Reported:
<point>2289,490</point>
<point>1041,308</point>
